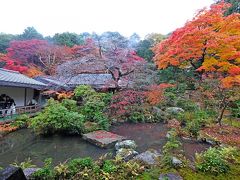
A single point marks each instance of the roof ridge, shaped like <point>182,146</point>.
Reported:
<point>12,71</point>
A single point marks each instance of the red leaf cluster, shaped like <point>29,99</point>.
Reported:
<point>122,100</point>
<point>12,64</point>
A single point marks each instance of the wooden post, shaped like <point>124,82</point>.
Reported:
<point>25,96</point>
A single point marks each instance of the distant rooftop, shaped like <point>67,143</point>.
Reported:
<point>97,81</point>
<point>16,79</point>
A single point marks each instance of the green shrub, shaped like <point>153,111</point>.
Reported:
<point>94,105</point>
<point>215,160</point>
<point>57,118</point>
<point>86,168</point>
<point>173,143</point>
<point>170,98</point>
<point>25,164</point>
<point>73,123</point>
<point>193,127</point>
<point>171,148</point>
<point>136,117</point>
<point>61,171</point>
<point>21,121</point>
<point>109,166</point>
<point>235,109</point>
<point>83,91</point>
<point>142,113</point>
<point>187,104</point>
<point>194,120</point>
<point>71,105</point>
<point>79,164</point>
<point>111,169</point>
<point>46,172</point>
<point>101,120</point>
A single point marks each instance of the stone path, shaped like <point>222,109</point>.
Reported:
<point>102,138</point>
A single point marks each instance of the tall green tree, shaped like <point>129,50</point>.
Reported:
<point>134,39</point>
<point>144,49</point>
<point>155,37</point>
<point>235,8</point>
<point>5,39</point>
<point>30,33</point>
<point>67,39</point>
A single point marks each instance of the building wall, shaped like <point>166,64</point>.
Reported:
<point>17,94</point>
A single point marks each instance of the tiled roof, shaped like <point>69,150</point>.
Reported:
<point>53,82</point>
<point>14,78</point>
<point>98,80</point>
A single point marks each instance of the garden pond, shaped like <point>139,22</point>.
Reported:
<point>22,144</point>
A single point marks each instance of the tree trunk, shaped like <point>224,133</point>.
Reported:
<point>220,116</point>
<point>219,119</point>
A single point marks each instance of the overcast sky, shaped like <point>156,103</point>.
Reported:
<point>126,16</point>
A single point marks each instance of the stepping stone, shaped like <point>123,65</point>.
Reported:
<point>102,138</point>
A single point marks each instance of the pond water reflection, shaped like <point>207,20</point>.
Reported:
<point>22,144</point>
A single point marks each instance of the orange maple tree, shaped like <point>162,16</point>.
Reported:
<point>210,43</point>
<point>155,94</point>
<point>33,71</point>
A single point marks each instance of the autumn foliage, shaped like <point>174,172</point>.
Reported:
<point>210,43</point>
<point>38,53</point>
<point>6,128</point>
<point>122,100</point>
<point>33,71</point>
<point>155,94</point>
<point>12,64</point>
<point>222,134</point>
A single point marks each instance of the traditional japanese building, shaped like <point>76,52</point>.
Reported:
<point>20,89</point>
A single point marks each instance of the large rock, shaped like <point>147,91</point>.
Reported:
<point>211,142</point>
<point>128,144</point>
<point>174,110</point>
<point>28,172</point>
<point>176,162</point>
<point>160,113</point>
<point>170,176</point>
<point>126,154</point>
<point>102,138</point>
<point>168,135</point>
<point>148,157</point>
<point>12,173</point>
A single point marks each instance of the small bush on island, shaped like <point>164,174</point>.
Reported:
<point>70,104</point>
<point>70,116</point>
<point>93,105</point>
<point>57,118</point>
